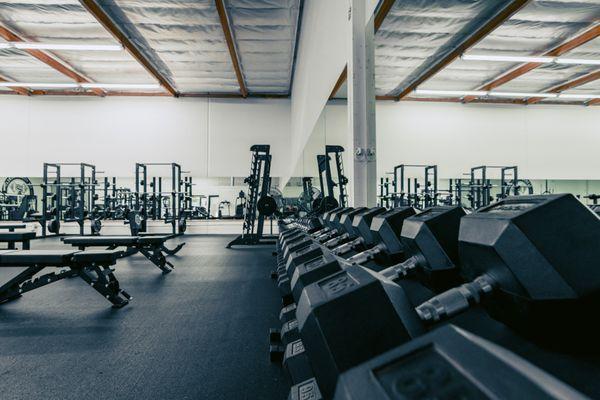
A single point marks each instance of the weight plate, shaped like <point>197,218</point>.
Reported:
<point>328,203</point>
<point>266,206</point>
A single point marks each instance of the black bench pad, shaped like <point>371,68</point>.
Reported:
<point>13,226</point>
<point>36,257</point>
<point>151,240</point>
<point>99,257</point>
<point>102,240</point>
<point>16,236</point>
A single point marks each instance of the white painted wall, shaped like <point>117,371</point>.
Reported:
<point>545,141</point>
<point>210,138</point>
<point>322,55</point>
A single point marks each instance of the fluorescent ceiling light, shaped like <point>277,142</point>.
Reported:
<point>515,59</point>
<point>530,59</point>
<point>522,95</point>
<point>57,46</point>
<point>577,61</point>
<point>74,85</point>
<point>578,96</point>
<point>123,86</point>
<point>476,93</point>
<point>40,85</point>
<point>458,93</point>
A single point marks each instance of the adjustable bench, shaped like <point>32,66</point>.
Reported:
<point>12,237</point>
<point>94,267</point>
<point>151,246</point>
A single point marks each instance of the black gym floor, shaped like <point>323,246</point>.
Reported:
<point>199,332</point>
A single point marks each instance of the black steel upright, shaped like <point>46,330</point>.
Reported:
<point>259,185</point>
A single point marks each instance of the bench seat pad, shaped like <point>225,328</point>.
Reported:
<point>28,258</point>
<point>100,257</point>
<point>152,240</point>
<point>101,240</point>
<point>13,226</point>
<point>16,236</point>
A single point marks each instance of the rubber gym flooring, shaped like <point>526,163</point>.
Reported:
<point>199,332</point>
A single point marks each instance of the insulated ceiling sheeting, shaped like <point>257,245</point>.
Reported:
<point>265,33</point>
<point>417,32</point>
<point>537,28</point>
<point>182,38</point>
<point>63,21</point>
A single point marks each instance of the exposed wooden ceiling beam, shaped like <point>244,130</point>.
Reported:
<point>383,11</point>
<point>593,102</point>
<point>49,59</point>
<point>429,69</point>
<point>19,90</point>
<point>579,40</point>
<point>582,80</point>
<point>231,45</point>
<point>103,18</point>
<point>339,82</point>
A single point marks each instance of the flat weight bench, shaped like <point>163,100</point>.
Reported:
<point>93,266</point>
<point>152,246</point>
<point>12,227</point>
<point>12,238</point>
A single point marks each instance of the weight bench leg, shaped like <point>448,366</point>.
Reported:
<point>172,252</point>
<point>103,280</point>
<point>19,284</point>
<point>157,258</point>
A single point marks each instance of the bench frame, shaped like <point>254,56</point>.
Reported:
<point>99,276</point>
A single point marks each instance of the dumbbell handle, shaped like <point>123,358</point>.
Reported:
<point>336,240</point>
<point>367,255</point>
<point>326,236</point>
<point>456,300</point>
<point>346,247</point>
<point>402,269</point>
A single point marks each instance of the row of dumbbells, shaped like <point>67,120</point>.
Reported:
<point>406,304</point>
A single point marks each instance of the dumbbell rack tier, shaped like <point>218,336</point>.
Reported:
<point>259,184</point>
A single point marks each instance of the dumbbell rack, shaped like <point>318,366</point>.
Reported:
<point>259,184</point>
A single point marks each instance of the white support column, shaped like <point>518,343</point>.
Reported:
<point>361,107</point>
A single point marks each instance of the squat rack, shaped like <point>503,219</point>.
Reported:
<point>177,216</point>
<point>78,201</point>
<point>407,194</point>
